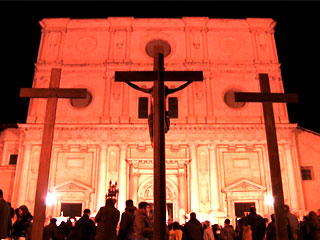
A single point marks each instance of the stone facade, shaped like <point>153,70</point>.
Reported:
<point>216,153</point>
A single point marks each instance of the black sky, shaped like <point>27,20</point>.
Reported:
<point>296,34</point>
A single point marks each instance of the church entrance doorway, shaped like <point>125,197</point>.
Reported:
<point>242,208</point>
<point>169,211</point>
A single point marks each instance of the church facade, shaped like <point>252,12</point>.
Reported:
<point>216,153</point>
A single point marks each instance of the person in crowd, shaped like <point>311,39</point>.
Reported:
<point>23,225</point>
<point>257,223</point>
<point>175,232</point>
<point>227,232</point>
<point>246,231</point>
<point>293,224</point>
<point>5,217</point>
<point>239,229</point>
<point>207,231</point>
<point>61,232</point>
<point>216,231</point>
<point>126,223</point>
<point>193,228</point>
<point>313,226</point>
<point>271,229</point>
<point>48,231</point>
<point>84,228</point>
<point>142,225</point>
<point>107,219</point>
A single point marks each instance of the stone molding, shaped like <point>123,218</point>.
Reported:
<point>133,133</point>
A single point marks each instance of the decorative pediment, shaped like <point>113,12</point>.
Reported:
<point>244,185</point>
<point>72,186</point>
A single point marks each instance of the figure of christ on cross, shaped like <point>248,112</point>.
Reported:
<point>167,91</point>
<point>158,76</point>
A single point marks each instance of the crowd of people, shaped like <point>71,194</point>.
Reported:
<point>136,224</point>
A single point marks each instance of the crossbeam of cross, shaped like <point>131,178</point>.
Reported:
<point>52,93</point>
<point>158,76</point>
<point>267,98</point>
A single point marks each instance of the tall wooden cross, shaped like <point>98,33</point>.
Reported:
<point>267,98</point>
<point>159,76</point>
<point>52,93</point>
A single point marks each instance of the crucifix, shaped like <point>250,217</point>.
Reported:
<point>52,93</point>
<point>159,92</point>
<point>267,98</point>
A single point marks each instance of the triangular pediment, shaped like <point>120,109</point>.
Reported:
<point>244,185</point>
<point>71,186</point>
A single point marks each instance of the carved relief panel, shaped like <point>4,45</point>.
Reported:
<point>204,178</point>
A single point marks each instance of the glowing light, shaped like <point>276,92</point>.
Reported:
<point>269,199</point>
<point>51,199</point>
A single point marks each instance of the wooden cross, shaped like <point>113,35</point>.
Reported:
<point>267,98</point>
<point>52,93</point>
<point>159,76</point>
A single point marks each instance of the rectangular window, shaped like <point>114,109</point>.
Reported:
<point>306,173</point>
<point>13,159</point>
<point>173,107</point>
<point>143,107</point>
<point>71,209</point>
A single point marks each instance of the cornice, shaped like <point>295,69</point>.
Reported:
<point>138,133</point>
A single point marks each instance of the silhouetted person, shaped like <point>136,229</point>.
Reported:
<point>23,225</point>
<point>167,91</point>
<point>293,224</point>
<point>271,229</point>
<point>107,219</point>
<point>142,225</point>
<point>193,228</point>
<point>257,223</point>
<point>5,217</point>
<point>48,231</point>
<point>126,223</point>
<point>227,232</point>
<point>84,228</point>
<point>313,226</point>
<point>207,231</point>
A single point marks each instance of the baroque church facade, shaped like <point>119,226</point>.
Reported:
<point>216,153</point>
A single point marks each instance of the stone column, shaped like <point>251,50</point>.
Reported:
<point>134,180</point>
<point>182,192</point>
<point>23,176</point>
<point>122,178</point>
<point>214,179</point>
<point>291,177</point>
<point>102,171</point>
<point>194,190</point>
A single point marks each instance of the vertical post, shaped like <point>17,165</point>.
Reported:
<point>45,158</point>
<point>159,175</point>
<point>274,162</point>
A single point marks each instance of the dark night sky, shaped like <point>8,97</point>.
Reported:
<point>296,35</point>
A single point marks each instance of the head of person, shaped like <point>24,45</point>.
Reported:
<point>240,222</point>
<point>193,215</point>
<point>227,221</point>
<point>252,210</point>
<point>286,208</point>
<point>272,217</point>
<point>1,194</point>
<point>53,221</point>
<point>129,203</point>
<point>87,212</point>
<point>23,211</point>
<point>144,206</point>
<point>175,225</point>
<point>312,215</point>
<point>110,202</point>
